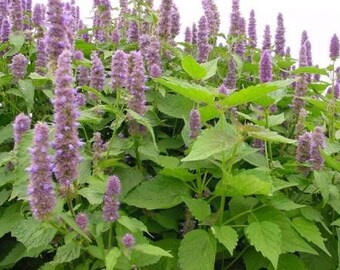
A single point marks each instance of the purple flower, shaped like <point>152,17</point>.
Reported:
<point>301,88</point>
<point>304,37</point>
<point>187,35</point>
<point>19,67</point>
<point>203,40</point>
<point>133,31</point>
<point>82,221</point>
<point>288,53</point>
<point>334,49</point>
<point>128,240</point>
<point>3,9</point>
<point>21,125</point>
<point>153,57</point>
<point>175,21</point>
<point>317,77</point>
<point>252,30</point>
<point>318,143</point>
<point>309,53</point>
<point>41,62</point>
<point>266,38</point>
<point>111,202</point>
<point>97,74</point>
<point>120,70</point>
<point>66,141</point>
<point>230,81</point>
<point>212,15</point>
<point>337,91</point>
<point>5,30</point>
<point>303,150</point>
<point>259,144</point>
<point>40,190</point>
<point>194,32</point>
<point>301,126</point>
<point>266,67</point>
<point>194,123</point>
<point>164,22</point>
<point>38,16</point>
<point>280,36</point>
<point>115,36</point>
<point>17,15</point>
<point>83,76</point>
<point>235,18</point>
<point>223,90</point>
<point>303,56</point>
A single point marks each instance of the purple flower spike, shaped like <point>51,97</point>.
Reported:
<point>83,76</point>
<point>203,40</point>
<point>128,240</point>
<point>133,31</point>
<point>17,15</point>
<point>252,30</point>
<point>175,21</point>
<point>230,81</point>
<point>40,190</point>
<point>301,88</point>
<point>194,31</point>
<point>39,14</point>
<point>3,10</point>
<point>317,77</point>
<point>195,123</point>
<point>223,90</point>
<point>66,141</point>
<point>280,36</point>
<point>111,202</point>
<point>235,18</point>
<point>41,62</point>
<point>301,126</point>
<point>266,38</point>
<point>318,143</point>
<point>19,67</point>
<point>97,73</point>
<point>337,91</point>
<point>21,125</point>
<point>153,57</point>
<point>115,36</point>
<point>187,35</point>
<point>5,30</point>
<point>212,15</point>
<point>82,221</point>
<point>303,150</point>
<point>303,56</point>
<point>334,48</point>
<point>266,67</point>
<point>120,70</point>
<point>164,23</point>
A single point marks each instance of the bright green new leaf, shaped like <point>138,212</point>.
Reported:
<point>310,70</point>
<point>67,253</point>
<point>281,202</point>
<point>266,237</point>
<point>270,136</point>
<point>176,106</point>
<point>152,250</point>
<point>310,231</point>
<point>193,68</point>
<point>17,39</point>
<point>199,208</point>
<point>211,68</point>
<point>197,251</point>
<point>192,91</point>
<point>227,236</point>
<point>132,224</point>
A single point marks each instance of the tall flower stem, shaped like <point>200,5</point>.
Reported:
<point>331,131</point>
<point>268,145</point>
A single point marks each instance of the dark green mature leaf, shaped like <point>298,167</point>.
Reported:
<point>193,68</point>
<point>332,162</point>
<point>195,92</point>
<point>227,236</point>
<point>199,208</point>
<point>6,133</point>
<point>152,250</point>
<point>10,217</point>
<point>158,193</point>
<point>197,251</point>
<point>212,141</point>
<point>252,93</point>
<point>254,260</point>
<point>27,90</point>
<point>175,105</point>
<point>266,237</point>
<point>310,231</point>
<point>289,262</point>
<point>67,253</point>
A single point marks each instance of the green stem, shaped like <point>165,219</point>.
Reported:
<point>70,206</point>
<point>138,159</point>
<point>244,213</point>
<point>109,244</point>
<point>268,144</point>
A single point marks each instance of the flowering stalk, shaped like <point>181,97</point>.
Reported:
<point>194,123</point>
<point>280,36</point>
<point>17,16</point>
<point>19,67</point>
<point>119,70</point>
<point>202,40</point>
<point>266,38</point>
<point>97,75</point>
<point>21,125</point>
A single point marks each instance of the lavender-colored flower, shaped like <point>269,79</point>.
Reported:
<point>115,36</point>
<point>212,15</point>
<point>105,13</point>
<point>223,90</point>
<point>303,150</point>
<point>164,22</point>
<point>3,10</point>
<point>21,125</point>
<point>153,57</point>
<point>288,53</point>
<point>266,67</point>
<point>40,190</point>
<point>317,77</point>
<point>128,240</point>
<point>133,31</point>
<point>187,35</point>
<point>301,88</point>
<point>120,70</point>
<point>235,18</point>
<point>337,91</point>
<point>83,76</point>
<point>318,143</point>
<point>280,36</point>
<point>66,141</point>
<point>301,126</point>
<point>304,37</point>
<point>203,40</point>
<point>97,74</point>
<point>17,15</point>
<point>334,48</point>
<point>259,144</point>
<point>230,81</point>
<point>303,61</point>
<point>80,99</point>
<point>111,202</point>
<point>19,66</point>
<point>85,35</point>
<point>41,62</point>
<point>252,30</point>
<point>38,16</point>
<point>5,29</point>
<point>194,32</point>
<point>27,9</point>
<point>175,21</point>
<point>266,38</point>
<point>194,123</point>
<point>57,40</point>
<point>82,221</point>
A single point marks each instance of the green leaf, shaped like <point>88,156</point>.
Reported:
<point>112,258</point>
<point>212,141</point>
<point>254,260</point>
<point>9,218</point>
<point>159,193</point>
<point>310,70</point>
<point>152,250</point>
<point>193,68</point>
<point>270,136</point>
<point>252,93</point>
<point>27,91</point>
<point>192,91</point>
<point>6,133</point>
<point>175,105</point>
<point>67,253</point>
<point>211,68</point>
<point>96,252</point>
<point>281,202</point>
<point>227,236</point>
<point>289,262</point>
<point>197,251</point>
<point>33,234</point>
<point>199,208</point>
<point>17,39</point>
<point>310,231</point>
<point>323,181</point>
<point>132,224</point>
<point>266,237</point>
<point>4,195</point>
<point>332,162</point>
